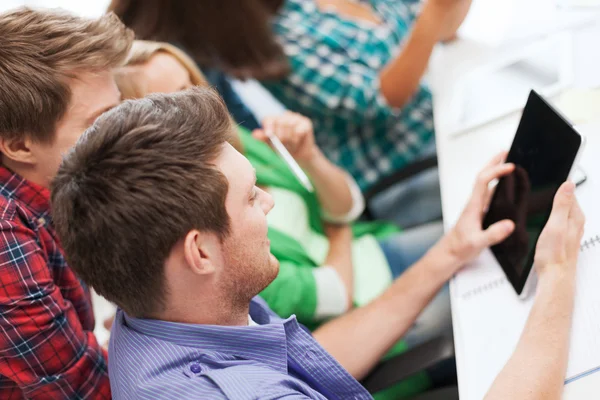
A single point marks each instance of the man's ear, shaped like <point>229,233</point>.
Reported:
<point>202,252</point>
<point>18,150</point>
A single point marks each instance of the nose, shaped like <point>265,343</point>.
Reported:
<point>268,203</point>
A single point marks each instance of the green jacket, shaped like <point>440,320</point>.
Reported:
<point>294,289</point>
<point>295,278</point>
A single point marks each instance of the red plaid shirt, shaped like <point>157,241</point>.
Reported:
<point>47,346</point>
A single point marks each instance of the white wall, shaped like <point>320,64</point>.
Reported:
<point>88,8</point>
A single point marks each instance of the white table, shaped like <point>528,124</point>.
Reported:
<point>461,157</point>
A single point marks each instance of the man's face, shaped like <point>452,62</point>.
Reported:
<point>91,95</point>
<point>248,262</point>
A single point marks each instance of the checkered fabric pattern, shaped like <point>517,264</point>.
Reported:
<point>47,346</point>
<point>335,81</point>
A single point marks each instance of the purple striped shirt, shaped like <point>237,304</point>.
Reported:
<point>151,359</point>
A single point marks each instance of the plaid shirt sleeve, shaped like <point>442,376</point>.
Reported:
<point>43,348</point>
<point>331,69</point>
<point>326,80</point>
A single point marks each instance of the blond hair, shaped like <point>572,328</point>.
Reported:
<point>40,51</point>
<point>131,81</point>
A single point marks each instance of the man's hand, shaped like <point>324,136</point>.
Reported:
<point>295,132</point>
<point>559,244</point>
<point>468,238</point>
<point>537,368</point>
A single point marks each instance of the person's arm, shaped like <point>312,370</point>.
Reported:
<point>438,21</point>
<point>338,199</point>
<point>339,257</point>
<point>370,331</point>
<point>537,369</point>
<point>330,182</point>
<point>45,350</point>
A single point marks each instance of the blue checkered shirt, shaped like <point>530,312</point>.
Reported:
<point>151,359</point>
<point>335,66</point>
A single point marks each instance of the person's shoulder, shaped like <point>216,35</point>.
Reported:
<point>18,226</point>
<point>142,370</point>
<point>172,385</point>
<point>202,380</point>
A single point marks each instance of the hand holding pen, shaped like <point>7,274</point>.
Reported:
<point>291,136</point>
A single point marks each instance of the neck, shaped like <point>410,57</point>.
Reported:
<point>26,172</point>
<point>212,310</point>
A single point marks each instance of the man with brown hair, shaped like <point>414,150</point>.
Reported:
<point>55,79</point>
<point>162,216</point>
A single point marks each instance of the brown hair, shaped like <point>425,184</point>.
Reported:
<point>137,182</point>
<point>39,52</point>
<point>233,35</point>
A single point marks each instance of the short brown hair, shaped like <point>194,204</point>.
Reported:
<point>137,182</point>
<point>39,52</point>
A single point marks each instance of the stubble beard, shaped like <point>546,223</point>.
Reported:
<point>247,278</point>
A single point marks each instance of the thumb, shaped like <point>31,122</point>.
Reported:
<point>260,134</point>
<point>563,202</point>
<point>497,232</point>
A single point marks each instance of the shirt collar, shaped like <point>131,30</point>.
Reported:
<point>35,197</point>
<point>248,342</point>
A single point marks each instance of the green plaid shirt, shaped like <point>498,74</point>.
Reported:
<point>335,81</point>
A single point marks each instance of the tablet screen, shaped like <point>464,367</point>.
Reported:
<point>543,151</point>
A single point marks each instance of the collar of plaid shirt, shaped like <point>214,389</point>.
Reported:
<point>35,197</point>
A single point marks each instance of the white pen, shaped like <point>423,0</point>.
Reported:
<point>289,160</point>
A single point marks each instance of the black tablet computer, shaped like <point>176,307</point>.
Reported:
<point>544,151</point>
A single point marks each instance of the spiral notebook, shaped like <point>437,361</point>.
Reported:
<point>489,318</point>
<point>468,292</point>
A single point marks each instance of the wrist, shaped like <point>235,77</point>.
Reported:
<point>341,235</point>
<point>312,159</point>
<point>442,259</point>
<point>554,275</point>
<point>452,246</point>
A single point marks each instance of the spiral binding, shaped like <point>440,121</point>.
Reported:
<point>484,288</point>
<point>591,242</point>
<point>585,245</point>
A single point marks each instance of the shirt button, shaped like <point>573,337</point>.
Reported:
<point>196,368</point>
<point>311,355</point>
